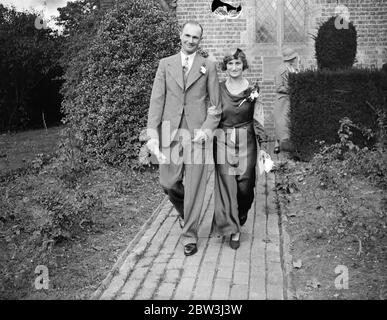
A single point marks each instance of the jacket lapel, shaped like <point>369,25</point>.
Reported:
<point>194,72</point>
<point>176,70</point>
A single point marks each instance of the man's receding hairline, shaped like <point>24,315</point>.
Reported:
<point>193,23</point>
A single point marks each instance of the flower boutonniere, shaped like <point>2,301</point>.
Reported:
<point>251,93</point>
<point>203,69</point>
<point>202,52</point>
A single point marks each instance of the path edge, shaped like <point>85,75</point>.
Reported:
<point>286,257</point>
<point>122,257</point>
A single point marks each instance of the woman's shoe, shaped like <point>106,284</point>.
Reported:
<point>235,241</point>
<point>242,220</point>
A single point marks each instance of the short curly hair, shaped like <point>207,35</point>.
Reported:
<point>238,54</point>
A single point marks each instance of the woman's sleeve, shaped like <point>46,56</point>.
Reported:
<point>259,120</point>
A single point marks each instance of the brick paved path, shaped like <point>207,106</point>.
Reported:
<point>154,265</point>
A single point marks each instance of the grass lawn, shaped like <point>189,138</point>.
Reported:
<point>116,203</point>
<point>17,150</point>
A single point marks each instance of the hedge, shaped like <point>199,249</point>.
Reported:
<point>319,99</point>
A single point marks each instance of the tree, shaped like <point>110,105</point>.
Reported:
<point>78,16</point>
<point>29,63</point>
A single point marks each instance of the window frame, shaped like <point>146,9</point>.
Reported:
<point>280,32</point>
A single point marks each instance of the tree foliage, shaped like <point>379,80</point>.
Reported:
<point>29,65</point>
<point>108,84</point>
<point>79,21</point>
<point>78,16</point>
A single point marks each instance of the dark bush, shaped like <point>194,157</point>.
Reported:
<point>29,71</point>
<point>319,99</point>
<point>106,102</point>
<point>335,48</point>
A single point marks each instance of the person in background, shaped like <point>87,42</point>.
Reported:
<point>282,102</point>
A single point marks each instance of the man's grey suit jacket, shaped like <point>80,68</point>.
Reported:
<point>199,98</point>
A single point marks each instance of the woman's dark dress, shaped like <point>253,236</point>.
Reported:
<point>234,163</point>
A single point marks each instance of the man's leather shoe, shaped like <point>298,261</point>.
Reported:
<point>181,222</point>
<point>190,249</point>
<point>235,241</point>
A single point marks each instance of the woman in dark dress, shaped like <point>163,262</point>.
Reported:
<point>235,150</point>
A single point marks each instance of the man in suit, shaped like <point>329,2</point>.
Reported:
<point>184,110</point>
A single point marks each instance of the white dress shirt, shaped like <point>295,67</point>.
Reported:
<point>191,58</point>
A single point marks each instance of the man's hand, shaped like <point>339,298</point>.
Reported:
<point>154,147</point>
<point>200,136</point>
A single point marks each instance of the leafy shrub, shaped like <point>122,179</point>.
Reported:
<point>319,99</point>
<point>335,48</point>
<point>106,106</point>
<point>345,158</point>
<point>80,20</point>
<point>349,182</point>
<point>65,213</point>
<point>71,163</point>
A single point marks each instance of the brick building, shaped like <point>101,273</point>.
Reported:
<point>265,27</point>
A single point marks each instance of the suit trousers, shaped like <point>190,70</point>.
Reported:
<point>184,178</point>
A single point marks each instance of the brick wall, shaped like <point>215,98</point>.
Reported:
<point>369,17</point>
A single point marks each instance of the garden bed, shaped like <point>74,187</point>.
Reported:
<point>114,204</point>
<point>333,228</point>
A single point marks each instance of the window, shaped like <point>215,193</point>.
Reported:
<point>280,21</point>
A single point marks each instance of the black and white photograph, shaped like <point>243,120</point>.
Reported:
<point>193,155</point>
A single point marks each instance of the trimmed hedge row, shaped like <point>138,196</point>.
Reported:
<point>319,99</point>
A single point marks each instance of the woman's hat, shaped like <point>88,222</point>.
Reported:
<point>289,54</point>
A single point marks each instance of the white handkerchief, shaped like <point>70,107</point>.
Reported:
<point>259,114</point>
<point>264,162</point>
<point>268,163</point>
<point>261,161</point>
